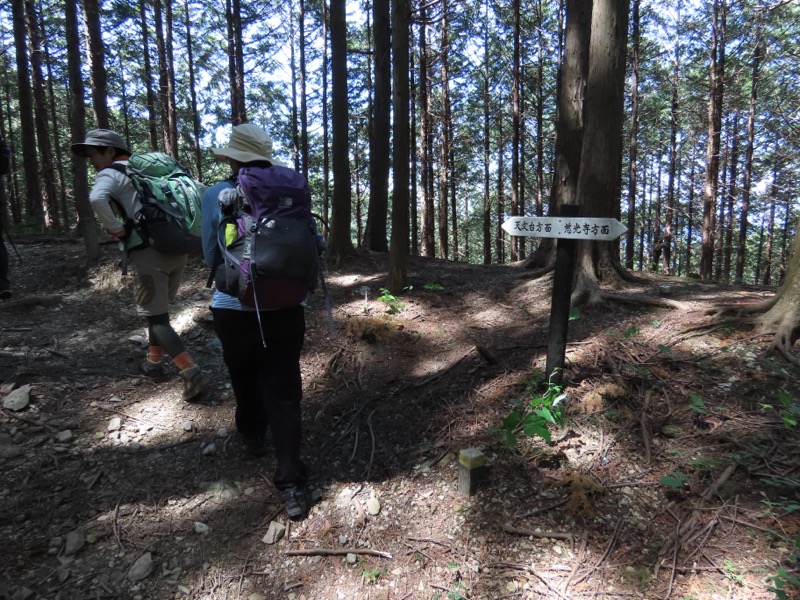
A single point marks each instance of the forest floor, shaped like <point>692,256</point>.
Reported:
<point>675,474</point>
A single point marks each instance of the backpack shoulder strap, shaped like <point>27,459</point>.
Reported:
<point>118,167</point>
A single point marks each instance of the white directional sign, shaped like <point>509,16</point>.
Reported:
<point>575,228</point>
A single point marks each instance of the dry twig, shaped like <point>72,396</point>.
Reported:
<point>338,552</point>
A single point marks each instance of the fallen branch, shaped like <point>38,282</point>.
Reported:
<point>609,547</point>
<point>447,369</point>
<point>720,481</point>
<point>556,535</point>
<point>30,302</point>
<point>14,415</point>
<point>643,425</point>
<point>542,509</point>
<point>338,552</point>
<point>450,593</point>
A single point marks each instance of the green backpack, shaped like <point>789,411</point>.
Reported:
<point>169,219</point>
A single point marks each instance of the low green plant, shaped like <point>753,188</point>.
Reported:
<point>791,411</point>
<point>676,480</point>
<point>697,405</point>
<point>457,586</point>
<point>787,408</point>
<point>375,573</point>
<point>394,303</point>
<point>630,331</point>
<point>574,313</point>
<point>639,577</point>
<point>433,287</point>
<point>784,582</point>
<point>731,572</point>
<point>534,414</point>
<point>786,585</point>
<point>703,463</point>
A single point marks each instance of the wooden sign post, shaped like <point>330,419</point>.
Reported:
<point>568,228</point>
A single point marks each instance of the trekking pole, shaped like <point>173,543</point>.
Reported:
<point>10,241</point>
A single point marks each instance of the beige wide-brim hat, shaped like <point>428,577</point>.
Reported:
<point>248,143</point>
<point>100,138</point>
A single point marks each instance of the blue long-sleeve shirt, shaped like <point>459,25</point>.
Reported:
<point>211,214</point>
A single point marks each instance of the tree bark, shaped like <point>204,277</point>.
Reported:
<point>516,241</point>
<point>294,77</point>
<point>540,109</point>
<point>770,229</point>
<point>748,158</point>
<point>171,121</point>
<point>426,167</point>
<point>715,96</point>
<point>633,145</point>
<point>97,69</point>
<point>198,154</point>
<point>487,157</point>
<point>444,141</point>
<point>236,62</point>
<point>53,116</point>
<point>341,243</point>
<point>730,197</point>
<point>669,212</point>
<point>326,192</point>
<point>77,118</point>
<point>375,234</point>
<point>570,121</point>
<point>303,92</point>
<point>47,166</point>
<point>398,254</point>
<point>600,163</point>
<point>27,123</point>
<point>147,75</point>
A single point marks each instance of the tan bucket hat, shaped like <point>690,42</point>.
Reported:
<point>248,143</point>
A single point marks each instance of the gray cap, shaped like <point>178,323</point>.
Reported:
<point>100,137</point>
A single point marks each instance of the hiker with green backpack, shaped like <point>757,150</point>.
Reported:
<point>122,199</point>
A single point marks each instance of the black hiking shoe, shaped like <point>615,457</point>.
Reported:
<point>297,501</point>
<point>195,383</point>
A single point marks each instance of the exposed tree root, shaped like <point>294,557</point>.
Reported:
<point>776,316</point>
<point>646,300</point>
<point>538,273</point>
<point>736,311</point>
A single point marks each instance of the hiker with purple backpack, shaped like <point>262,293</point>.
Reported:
<point>260,320</point>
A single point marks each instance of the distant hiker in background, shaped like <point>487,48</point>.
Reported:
<point>158,276</point>
<point>261,348</point>
<point>5,169</point>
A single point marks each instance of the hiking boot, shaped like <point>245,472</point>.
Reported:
<point>153,370</point>
<point>255,445</point>
<point>195,383</point>
<point>296,501</point>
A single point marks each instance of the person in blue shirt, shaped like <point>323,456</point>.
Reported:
<point>261,351</point>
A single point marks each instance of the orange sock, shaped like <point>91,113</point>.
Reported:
<point>155,354</point>
<point>183,361</point>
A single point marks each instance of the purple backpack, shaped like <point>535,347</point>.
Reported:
<point>272,260</point>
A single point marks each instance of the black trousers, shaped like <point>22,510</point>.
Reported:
<point>266,380</point>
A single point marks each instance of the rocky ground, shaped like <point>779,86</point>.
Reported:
<point>674,474</point>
